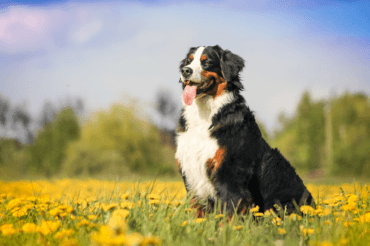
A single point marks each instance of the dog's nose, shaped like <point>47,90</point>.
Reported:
<point>186,71</point>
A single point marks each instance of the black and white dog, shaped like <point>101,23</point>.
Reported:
<point>220,150</point>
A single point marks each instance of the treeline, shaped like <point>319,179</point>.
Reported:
<point>113,142</point>
<point>331,135</point>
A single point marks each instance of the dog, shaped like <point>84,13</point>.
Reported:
<point>220,152</point>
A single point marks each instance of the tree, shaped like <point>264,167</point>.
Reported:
<point>21,115</point>
<point>301,137</point>
<point>166,107</point>
<point>47,114</point>
<point>118,141</point>
<point>48,149</point>
<point>4,108</point>
<point>351,134</point>
<point>311,131</point>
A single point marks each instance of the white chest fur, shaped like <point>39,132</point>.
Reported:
<point>195,146</point>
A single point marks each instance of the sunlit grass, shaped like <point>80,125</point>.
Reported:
<point>73,212</point>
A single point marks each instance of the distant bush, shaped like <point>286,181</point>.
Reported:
<point>49,147</point>
<point>13,159</point>
<point>351,135</point>
<point>333,135</point>
<point>118,141</point>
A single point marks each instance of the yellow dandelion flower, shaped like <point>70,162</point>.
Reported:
<point>237,228</point>
<point>308,231</point>
<point>19,212</point>
<point>134,239</point>
<point>92,217</point>
<point>281,231</point>
<point>184,223</point>
<point>219,216</point>
<point>4,196</point>
<point>151,240</point>
<point>63,214</point>
<point>47,227</point>
<point>349,206</point>
<point>63,233</point>
<point>54,212</point>
<point>103,236</point>
<point>200,220</point>
<point>82,203</point>
<point>307,210</point>
<point>324,212</point>
<point>8,229</point>
<point>127,204</point>
<point>31,199</point>
<point>294,217</point>
<point>352,198</point>
<point>118,224</point>
<point>258,214</point>
<point>125,195</point>
<point>348,223</point>
<point>276,221</point>
<point>328,222</point>
<point>66,208</point>
<point>14,203</point>
<point>29,227</point>
<point>330,202</point>
<point>118,240</point>
<point>107,207</point>
<point>154,201</point>
<point>83,222</point>
<point>339,198</point>
<point>255,209</point>
<point>69,242</point>
<point>342,214</point>
<point>269,212</point>
<point>121,212</point>
<point>326,243</point>
<point>364,218</point>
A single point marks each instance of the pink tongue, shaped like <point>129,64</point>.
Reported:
<point>189,94</point>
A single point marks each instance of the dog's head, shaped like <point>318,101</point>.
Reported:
<point>210,71</point>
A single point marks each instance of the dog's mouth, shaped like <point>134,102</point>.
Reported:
<point>194,90</point>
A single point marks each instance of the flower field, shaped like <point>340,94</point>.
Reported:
<point>91,212</point>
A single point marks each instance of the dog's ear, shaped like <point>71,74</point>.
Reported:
<point>182,64</point>
<point>231,66</point>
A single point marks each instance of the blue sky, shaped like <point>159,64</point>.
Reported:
<point>104,51</point>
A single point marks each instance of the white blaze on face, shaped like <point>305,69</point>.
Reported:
<point>196,66</point>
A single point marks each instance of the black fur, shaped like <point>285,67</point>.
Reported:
<point>252,173</point>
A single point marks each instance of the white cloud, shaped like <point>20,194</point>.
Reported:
<point>85,32</point>
<point>23,29</point>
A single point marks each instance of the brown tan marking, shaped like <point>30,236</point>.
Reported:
<point>221,83</point>
<point>191,57</point>
<point>179,166</point>
<point>201,212</point>
<point>213,164</point>
<point>219,157</point>
<point>203,57</point>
